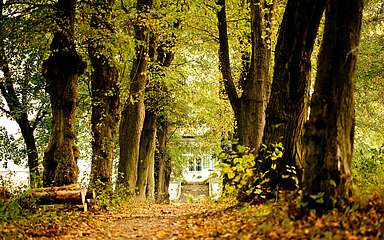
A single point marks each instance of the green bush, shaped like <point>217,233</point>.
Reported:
<point>108,198</point>
<point>368,168</point>
<point>369,160</point>
<point>253,178</point>
<point>18,206</point>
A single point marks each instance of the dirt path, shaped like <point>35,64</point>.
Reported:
<point>155,221</point>
<point>199,221</point>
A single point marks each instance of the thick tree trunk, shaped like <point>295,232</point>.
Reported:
<point>257,86</point>
<point>72,196</point>
<point>18,112</point>
<point>287,109</point>
<point>147,150</point>
<point>68,194</point>
<point>133,114</point>
<point>330,131</point>
<point>131,125</point>
<point>162,163</point>
<point>62,70</point>
<point>5,195</point>
<point>105,96</point>
<point>160,167</point>
<point>249,109</point>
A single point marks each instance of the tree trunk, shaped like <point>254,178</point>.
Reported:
<point>5,195</point>
<point>21,117</point>
<point>105,96</point>
<point>156,100</point>
<point>249,109</point>
<point>68,194</point>
<point>72,196</point>
<point>287,109</point>
<point>150,193</point>
<point>330,131</point>
<point>133,114</point>
<point>224,61</point>
<point>147,149</point>
<point>18,112</point>
<point>257,86</point>
<point>62,70</point>
<point>30,143</point>
<point>162,163</point>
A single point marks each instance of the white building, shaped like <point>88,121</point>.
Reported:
<point>199,170</point>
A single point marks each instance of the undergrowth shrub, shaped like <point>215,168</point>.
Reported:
<point>17,206</point>
<point>258,177</point>
<point>106,197</point>
<point>368,168</point>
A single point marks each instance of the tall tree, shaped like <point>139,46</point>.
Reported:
<point>287,108</point>
<point>18,109</point>
<point>159,177</point>
<point>62,70</point>
<point>19,113</point>
<point>330,131</point>
<point>249,108</point>
<point>105,93</point>
<point>133,114</point>
<point>147,153</point>
<point>162,161</point>
<point>161,54</point>
<point>148,134</point>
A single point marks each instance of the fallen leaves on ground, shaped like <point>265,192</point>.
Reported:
<point>201,221</point>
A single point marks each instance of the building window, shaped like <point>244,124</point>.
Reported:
<point>206,162</point>
<point>191,165</point>
<point>198,164</point>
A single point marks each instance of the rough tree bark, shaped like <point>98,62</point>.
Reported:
<point>287,109</point>
<point>160,168</point>
<point>257,87</point>
<point>133,114</point>
<point>150,191</point>
<point>161,55</point>
<point>249,109</point>
<point>330,130</point>
<point>62,70</point>
<point>105,95</point>
<point>68,194</point>
<point>147,153</point>
<point>162,162</point>
<point>148,134</point>
<point>17,111</point>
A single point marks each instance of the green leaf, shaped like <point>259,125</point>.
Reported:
<point>273,166</point>
<point>258,191</point>
<point>230,175</point>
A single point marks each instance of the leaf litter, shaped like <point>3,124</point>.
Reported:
<point>201,221</point>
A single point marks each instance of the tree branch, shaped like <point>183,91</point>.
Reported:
<point>208,33</point>
<point>39,116</point>
<point>225,64</point>
<point>238,20</point>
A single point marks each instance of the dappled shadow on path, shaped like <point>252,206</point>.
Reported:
<point>146,221</point>
<point>272,220</point>
<point>217,221</point>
